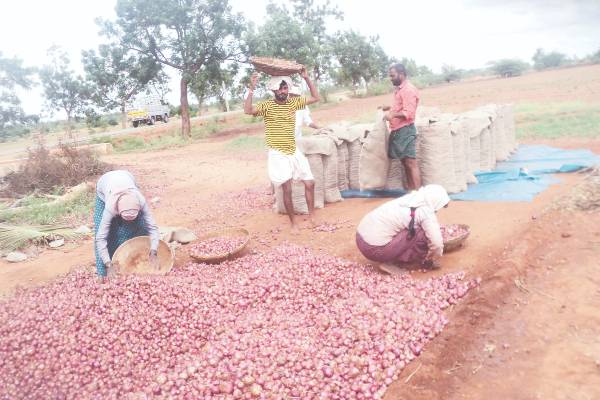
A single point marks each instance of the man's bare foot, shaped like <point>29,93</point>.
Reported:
<point>295,230</point>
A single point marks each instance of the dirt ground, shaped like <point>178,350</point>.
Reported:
<point>528,332</point>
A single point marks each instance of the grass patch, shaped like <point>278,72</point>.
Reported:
<point>556,120</point>
<point>39,212</point>
<point>173,138</point>
<point>246,143</point>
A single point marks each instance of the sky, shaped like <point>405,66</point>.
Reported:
<point>463,33</point>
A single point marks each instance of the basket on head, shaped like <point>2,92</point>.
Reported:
<point>457,242</point>
<point>276,66</point>
<point>132,257</point>
<point>218,258</point>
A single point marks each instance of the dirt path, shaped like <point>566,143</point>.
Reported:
<point>531,331</point>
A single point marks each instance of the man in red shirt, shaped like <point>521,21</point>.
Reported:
<point>401,118</point>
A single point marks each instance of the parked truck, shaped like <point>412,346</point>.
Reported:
<point>147,110</point>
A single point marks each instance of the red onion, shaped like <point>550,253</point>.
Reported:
<point>215,246</point>
<point>268,325</point>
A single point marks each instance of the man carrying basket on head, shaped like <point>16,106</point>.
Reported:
<point>286,162</point>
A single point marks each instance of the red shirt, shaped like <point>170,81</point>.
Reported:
<point>406,100</point>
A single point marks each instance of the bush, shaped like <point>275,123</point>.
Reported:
<point>379,88</point>
<point>113,122</point>
<point>43,171</point>
<point>508,67</point>
<point>128,143</point>
<point>423,81</point>
<point>450,73</point>
<point>543,60</point>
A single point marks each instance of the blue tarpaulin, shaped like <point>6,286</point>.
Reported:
<point>520,178</point>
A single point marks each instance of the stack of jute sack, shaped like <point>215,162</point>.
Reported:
<point>450,149</point>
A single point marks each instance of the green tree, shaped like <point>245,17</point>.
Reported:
<point>359,58</point>
<point>508,67</point>
<point>300,34</point>
<point>183,34</point>
<point>211,81</point>
<point>12,76</point>
<point>116,75</point>
<point>543,60</point>
<point>64,91</point>
<point>315,17</point>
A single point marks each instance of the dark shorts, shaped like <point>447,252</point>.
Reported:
<point>403,143</point>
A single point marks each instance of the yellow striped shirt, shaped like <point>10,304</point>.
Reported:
<point>280,123</point>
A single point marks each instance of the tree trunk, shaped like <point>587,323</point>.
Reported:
<point>316,73</point>
<point>186,127</point>
<point>69,128</point>
<point>123,116</point>
<point>225,96</point>
<point>200,102</point>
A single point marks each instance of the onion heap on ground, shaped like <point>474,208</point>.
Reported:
<point>288,323</point>
<point>215,246</point>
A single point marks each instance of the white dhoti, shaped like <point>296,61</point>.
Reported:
<point>283,167</point>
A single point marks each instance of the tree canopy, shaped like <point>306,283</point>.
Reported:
<point>13,75</point>
<point>185,35</point>
<point>116,75</point>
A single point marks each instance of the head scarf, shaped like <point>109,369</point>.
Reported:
<point>432,196</point>
<point>275,82</point>
<point>128,205</point>
<point>295,90</point>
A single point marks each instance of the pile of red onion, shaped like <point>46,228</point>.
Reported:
<point>450,232</point>
<point>215,246</point>
<point>286,324</point>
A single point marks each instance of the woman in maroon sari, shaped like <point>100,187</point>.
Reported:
<point>405,229</point>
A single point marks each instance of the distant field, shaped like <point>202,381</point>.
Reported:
<point>555,120</point>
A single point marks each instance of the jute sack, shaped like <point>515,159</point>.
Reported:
<point>316,167</point>
<point>488,153</point>
<point>316,144</point>
<point>325,146</point>
<point>351,132</point>
<point>497,130</point>
<point>470,148</point>
<point>343,156</point>
<point>469,175</point>
<point>330,178</point>
<point>476,124</point>
<point>435,153</point>
<point>458,155</point>
<point>396,178</point>
<point>424,114</point>
<point>374,162</point>
<point>354,150</point>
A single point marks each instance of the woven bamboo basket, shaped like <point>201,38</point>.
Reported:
<point>219,258</point>
<point>457,242</point>
<point>276,66</point>
<point>132,257</point>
